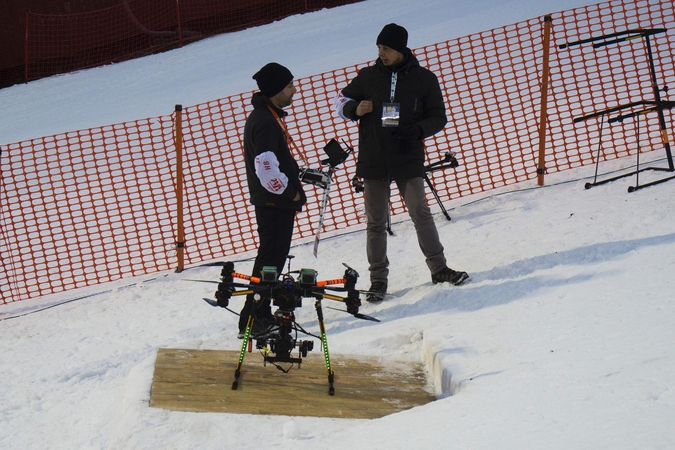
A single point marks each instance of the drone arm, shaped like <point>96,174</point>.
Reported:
<point>322,295</point>
<point>246,277</point>
<point>323,283</point>
<point>228,290</point>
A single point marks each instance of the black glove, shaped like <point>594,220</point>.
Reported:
<point>409,133</point>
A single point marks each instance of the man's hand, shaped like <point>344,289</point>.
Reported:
<point>297,197</point>
<point>409,133</point>
<point>364,107</point>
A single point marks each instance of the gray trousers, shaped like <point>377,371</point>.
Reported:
<point>376,195</point>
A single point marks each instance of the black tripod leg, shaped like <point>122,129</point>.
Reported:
<point>433,191</point>
<point>597,157</point>
<point>391,233</point>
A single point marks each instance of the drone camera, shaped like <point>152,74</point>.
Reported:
<point>284,316</point>
<point>305,347</point>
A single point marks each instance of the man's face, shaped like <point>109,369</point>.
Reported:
<point>389,56</point>
<point>283,98</point>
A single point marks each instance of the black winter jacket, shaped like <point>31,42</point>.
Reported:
<point>262,133</point>
<point>382,155</point>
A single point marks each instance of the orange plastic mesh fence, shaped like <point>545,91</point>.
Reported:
<point>86,207</point>
<point>96,205</point>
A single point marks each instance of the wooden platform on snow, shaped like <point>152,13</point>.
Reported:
<point>365,387</point>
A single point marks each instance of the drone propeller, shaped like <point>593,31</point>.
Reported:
<point>357,315</point>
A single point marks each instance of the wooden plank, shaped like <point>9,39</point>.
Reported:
<point>365,387</point>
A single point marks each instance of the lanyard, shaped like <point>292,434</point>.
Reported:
<point>291,142</point>
<point>394,76</point>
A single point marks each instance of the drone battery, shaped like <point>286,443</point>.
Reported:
<point>269,274</point>
<point>307,277</point>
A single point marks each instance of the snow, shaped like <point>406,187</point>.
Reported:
<point>562,338</point>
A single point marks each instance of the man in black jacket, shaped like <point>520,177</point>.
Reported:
<point>273,182</point>
<point>398,103</point>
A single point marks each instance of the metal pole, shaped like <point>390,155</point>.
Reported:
<point>180,238</point>
<point>438,199</point>
<point>541,165</point>
<point>657,96</point>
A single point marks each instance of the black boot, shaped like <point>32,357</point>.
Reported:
<point>377,291</point>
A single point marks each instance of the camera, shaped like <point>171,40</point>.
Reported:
<point>336,156</point>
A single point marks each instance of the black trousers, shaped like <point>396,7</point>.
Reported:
<point>275,231</point>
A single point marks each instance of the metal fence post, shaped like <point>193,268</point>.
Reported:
<point>541,165</point>
<point>180,228</point>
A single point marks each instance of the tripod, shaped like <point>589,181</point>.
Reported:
<point>448,161</point>
<point>657,105</point>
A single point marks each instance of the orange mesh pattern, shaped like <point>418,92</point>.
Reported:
<point>95,205</point>
<point>86,207</point>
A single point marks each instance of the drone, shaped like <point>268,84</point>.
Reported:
<point>287,294</point>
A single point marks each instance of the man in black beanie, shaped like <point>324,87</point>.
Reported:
<point>398,104</point>
<point>273,183</point>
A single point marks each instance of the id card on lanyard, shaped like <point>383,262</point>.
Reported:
<point>391,112</point>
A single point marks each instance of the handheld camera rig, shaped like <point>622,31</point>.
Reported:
<point>336,156</point>
<point>287,294</point>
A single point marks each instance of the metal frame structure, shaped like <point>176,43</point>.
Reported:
<point>657,105</point>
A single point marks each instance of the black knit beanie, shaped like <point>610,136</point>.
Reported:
<point>393,36</point>
<point>272,79</point>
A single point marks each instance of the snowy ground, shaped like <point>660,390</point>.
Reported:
<point>562,338</point>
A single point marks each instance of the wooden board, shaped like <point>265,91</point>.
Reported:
<point>365,387</point>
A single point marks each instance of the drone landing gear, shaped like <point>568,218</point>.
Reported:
<point>245,343</point>
<point>277,344</point>
<point>283,345</point>
<point>324,345</point>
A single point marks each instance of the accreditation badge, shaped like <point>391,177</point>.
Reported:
<point>391,112</point>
